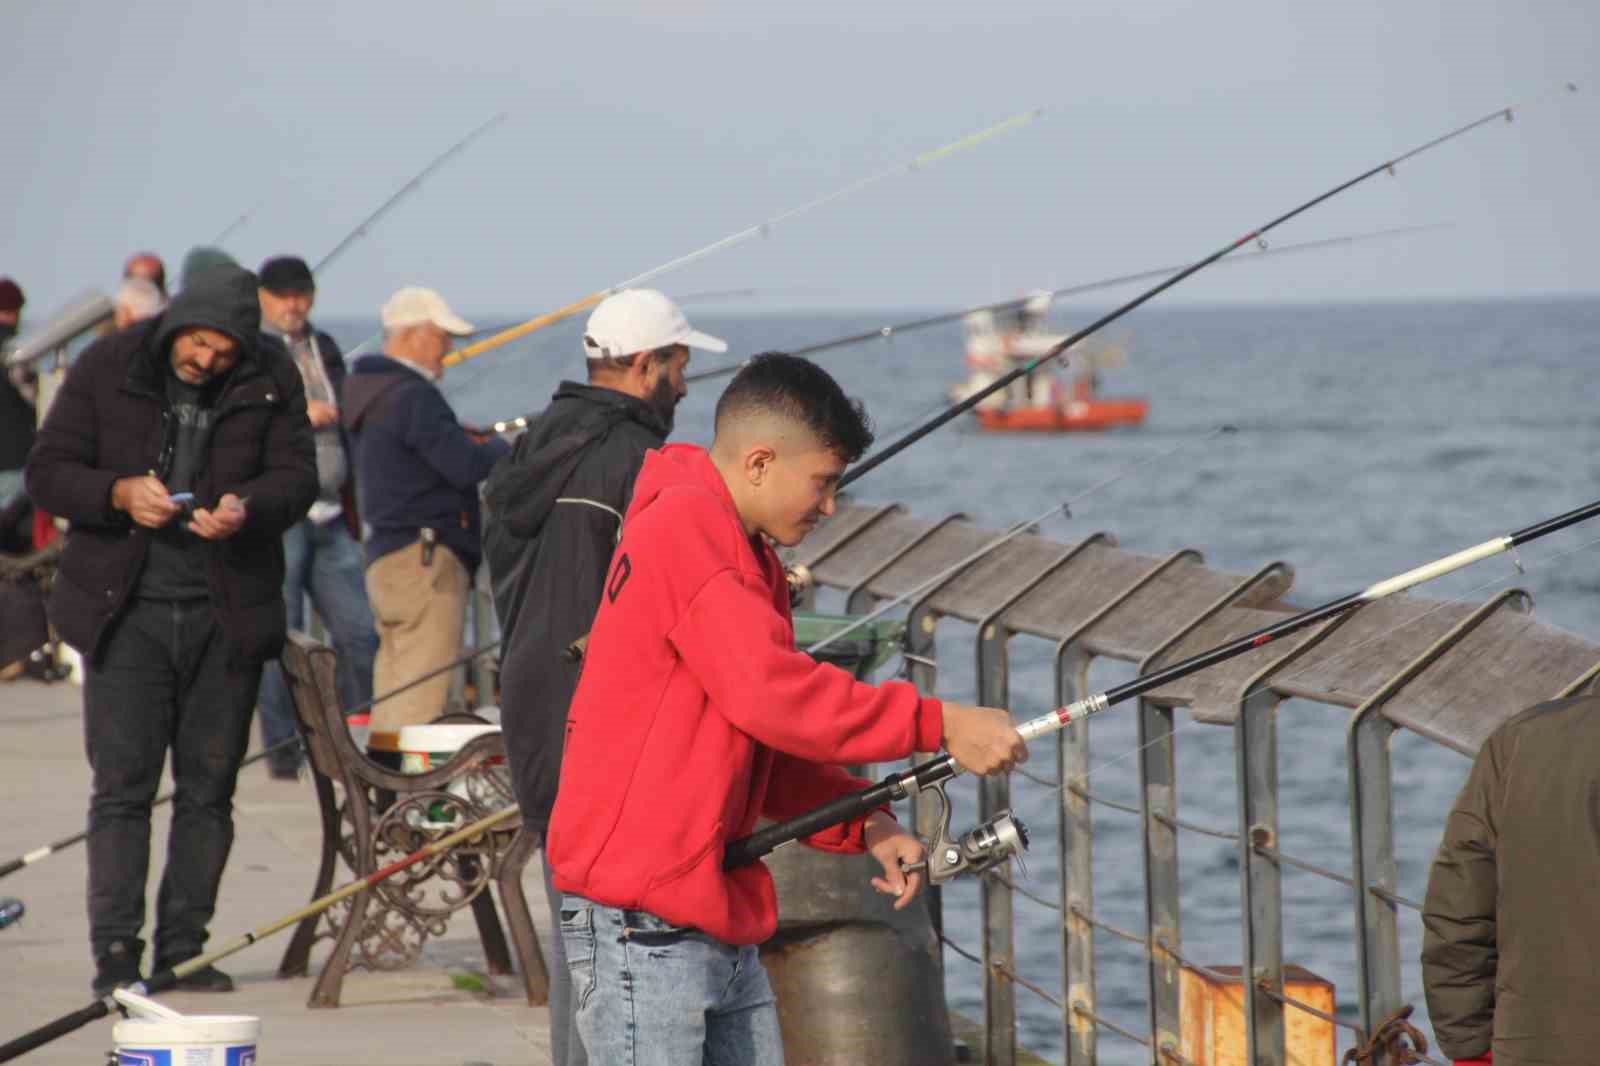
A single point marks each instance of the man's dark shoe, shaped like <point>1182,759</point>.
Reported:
<point>119,965</point>
<point>206,979</point>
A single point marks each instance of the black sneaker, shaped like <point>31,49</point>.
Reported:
<point>118,966</point>
<point>205,979</point>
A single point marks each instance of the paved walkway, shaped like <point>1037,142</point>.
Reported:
<point>446,1010</point>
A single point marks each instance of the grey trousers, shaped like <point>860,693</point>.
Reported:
<point>565,1047</point>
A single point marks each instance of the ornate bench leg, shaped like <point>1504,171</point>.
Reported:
<point>535,977</point>
<point>495,953</point>
<point>297,957</point>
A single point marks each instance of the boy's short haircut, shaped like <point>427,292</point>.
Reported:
<point>798,389</point>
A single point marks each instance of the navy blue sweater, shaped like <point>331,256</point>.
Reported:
<point>415,466</point>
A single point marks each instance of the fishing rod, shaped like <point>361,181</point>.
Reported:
<point>405,190</point>
<point>760,229</point>
<point>231,228</point>
<point>41,853</point>
<point>997,840</point>
<point>1004,380</point>
<point>167,979</point>
<point>888,332</point>
<point>1010,534</point>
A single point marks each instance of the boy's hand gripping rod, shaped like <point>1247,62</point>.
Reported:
<point>1003,837</point>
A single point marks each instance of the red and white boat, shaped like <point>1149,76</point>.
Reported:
<point>1050,400</point>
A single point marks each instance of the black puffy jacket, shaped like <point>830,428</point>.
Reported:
<point>111,420</point>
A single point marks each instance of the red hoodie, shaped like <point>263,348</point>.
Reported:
<point>695,714</point>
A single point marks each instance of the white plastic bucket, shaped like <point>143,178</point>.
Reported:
<point>428,747</point>
<point>189,1040</point>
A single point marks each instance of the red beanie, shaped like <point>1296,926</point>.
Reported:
<point>11,298</point>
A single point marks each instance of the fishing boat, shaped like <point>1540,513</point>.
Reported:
<point>1046,400</point>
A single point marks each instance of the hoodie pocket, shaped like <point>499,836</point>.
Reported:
<point>682,867</point>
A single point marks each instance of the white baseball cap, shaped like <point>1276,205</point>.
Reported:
<point>413,305</point>
<point>637,320</point>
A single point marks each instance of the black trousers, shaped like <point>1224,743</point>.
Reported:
<point>164,682</point>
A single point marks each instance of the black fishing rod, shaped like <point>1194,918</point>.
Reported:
<point>956,410</point>
<point>404,190</point>
<point>997,840</point>
<point>888,332</point>
<point>41,853</point>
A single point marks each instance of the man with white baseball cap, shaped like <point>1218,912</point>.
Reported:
<point>417,475</point>
<point>553,512</point>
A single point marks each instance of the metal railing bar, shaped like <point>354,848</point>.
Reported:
<point>1024,893</point>
<point>1392,897</point>
<point>1301,864</point>
<point>1113,804</point>
<point>1016,978</point>
<point>959,950</point>
<point>1290,1001</point>
<point>1194,827</point>
<point>1100,923</point>
<point>1106,1023</point>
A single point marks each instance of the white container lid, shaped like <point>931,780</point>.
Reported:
<point>190,1029</point>
<point>439,739</point>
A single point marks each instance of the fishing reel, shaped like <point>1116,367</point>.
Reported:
<point>990,844</point>
<point>798,578</point>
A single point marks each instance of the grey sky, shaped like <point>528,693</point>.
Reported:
<point>641,130</point>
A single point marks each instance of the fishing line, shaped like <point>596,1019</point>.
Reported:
<point>760,229</point>
<point>1518,570</point>
<point>955,410</point>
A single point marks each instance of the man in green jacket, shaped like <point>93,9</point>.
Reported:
<point>1511,949</point>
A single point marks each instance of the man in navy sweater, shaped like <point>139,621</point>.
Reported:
<point>417,474</point>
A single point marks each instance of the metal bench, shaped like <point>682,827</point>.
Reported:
<point>372,816</point>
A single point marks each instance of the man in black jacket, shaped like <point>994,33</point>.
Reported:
<point>180,452</point>
<point>322,557</point>
<point>554,513</point>
<point>417,471</point>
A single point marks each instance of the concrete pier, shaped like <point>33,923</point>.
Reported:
<point>444,1010</point>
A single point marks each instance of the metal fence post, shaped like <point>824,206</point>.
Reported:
<point>1075,846</point>
<point>994,795</point>
<point>994,684</point>
<point>1375,871</point>
<point>1158,787</point>
<point>1256,748</point>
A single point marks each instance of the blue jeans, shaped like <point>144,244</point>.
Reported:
<point>654,994</point>
<point>163,681</point>
<point>324,562</point>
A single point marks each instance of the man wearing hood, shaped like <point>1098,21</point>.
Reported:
<point>553,513</point>
<point>417,473</point>
<point>180,452</point>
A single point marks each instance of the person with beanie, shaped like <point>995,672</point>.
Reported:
<point>180,452</point>
<point>17,416</point>
<point>322,551</point>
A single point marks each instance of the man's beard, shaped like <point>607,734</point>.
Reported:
<point>7,331</point>
<point>664,399</point>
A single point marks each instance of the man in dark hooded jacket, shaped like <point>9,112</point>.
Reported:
<point>180,452</point>
<point>553,512</point>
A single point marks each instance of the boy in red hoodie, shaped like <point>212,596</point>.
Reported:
<point>695,715</point>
